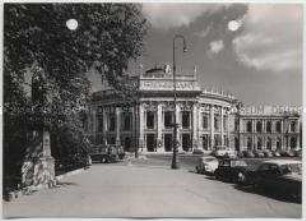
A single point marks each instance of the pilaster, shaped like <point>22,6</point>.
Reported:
<point>212,126</point>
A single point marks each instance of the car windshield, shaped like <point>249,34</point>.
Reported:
<point>292,168</point>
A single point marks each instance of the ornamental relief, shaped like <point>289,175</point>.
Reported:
<point>150,105</point>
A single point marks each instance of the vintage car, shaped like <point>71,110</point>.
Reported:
<point>276,153</point>
<point>248,154</point>
<point>229,169</point>
<point>207,165</point>
<point>223,151</point>
<point>259,154</point>
<point>198,151</point>
<point>287,153</point>
<point>107,153</point>
<point>284,176</point>
<point>298,153</point>
<point>267,153</point>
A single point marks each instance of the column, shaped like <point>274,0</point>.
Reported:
<point>194,126</point>
<point>200,144</point>
<point>118,126</point>
<point>179,123</point>
<point>228,127</point>
<point>104,126</point>
<point>212,126</point>
<point>160,127</point>
<point>94,123</point>
<point>141,127</point>
<point>222,126</point>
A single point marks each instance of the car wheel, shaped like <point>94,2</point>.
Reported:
<point>197,170</point>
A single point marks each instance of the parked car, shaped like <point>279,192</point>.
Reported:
<point>240,155</point>
<point>223,151</point>
<point>284,176</point>
<point>287,153</point>
<point>107,153</point>
<point>207,165</point>
<point>259,154</point>
<point>276,154</point>
<point>248,154</point>
<point>267,153</point>
<point>298,153</point>
<point>229,169</point>
<point>198,151</point>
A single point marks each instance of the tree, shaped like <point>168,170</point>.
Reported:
<point>36,37</point>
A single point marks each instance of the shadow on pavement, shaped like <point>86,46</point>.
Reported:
<point>61,183</point>
<point>274,194</point>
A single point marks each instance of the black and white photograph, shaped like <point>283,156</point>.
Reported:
<point>152,109</point>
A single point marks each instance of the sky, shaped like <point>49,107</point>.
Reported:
<point>254,51</point>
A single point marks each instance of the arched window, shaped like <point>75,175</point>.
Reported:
<point>258,127</point>
<point>269,143</point>
<point>278,127</point>
<point>269,127</point>
<point>249,126</point>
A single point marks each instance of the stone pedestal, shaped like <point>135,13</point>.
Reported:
<point>39,167</point>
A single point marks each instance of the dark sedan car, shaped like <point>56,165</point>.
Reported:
<point>283,176</point>
<point>229,169</point>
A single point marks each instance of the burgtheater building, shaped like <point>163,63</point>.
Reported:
<point>205,119</point>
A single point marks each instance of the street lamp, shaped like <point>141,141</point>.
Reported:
<point>174,164</point>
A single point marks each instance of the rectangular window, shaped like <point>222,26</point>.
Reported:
<point>169,118</point>
<point>100,123</point>
<point>150,120</point>
<point>224,123</point>
<point>112,122</point>
<point>127,122</point>
<point>216,122</point>
<point>236,125</point>
<point>186,119</point>
<point>205,122</point>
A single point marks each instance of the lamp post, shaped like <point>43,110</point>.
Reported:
<point>174,164</point>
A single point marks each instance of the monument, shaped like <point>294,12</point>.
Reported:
<point>38,167</point>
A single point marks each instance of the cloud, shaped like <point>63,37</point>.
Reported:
<point>272,38</point>
<point>169,15</point>
<point>216,46</point>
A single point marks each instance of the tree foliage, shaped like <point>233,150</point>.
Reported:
<point>36,38</point>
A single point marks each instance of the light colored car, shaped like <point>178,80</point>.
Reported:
<point>223,151</point>
<point>207,165</point>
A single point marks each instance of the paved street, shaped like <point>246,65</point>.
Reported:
<point>146,190</point>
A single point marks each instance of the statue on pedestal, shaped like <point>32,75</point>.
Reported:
<point>38,166</point>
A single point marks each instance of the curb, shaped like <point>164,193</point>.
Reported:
<point>71,173</point>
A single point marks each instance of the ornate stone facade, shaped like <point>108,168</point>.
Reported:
<point>206,119</point>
